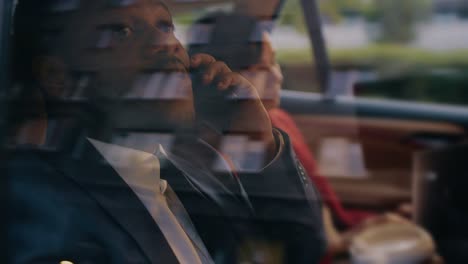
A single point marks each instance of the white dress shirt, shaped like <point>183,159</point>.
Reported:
<point>141,171</point>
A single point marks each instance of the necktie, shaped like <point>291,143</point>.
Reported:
<point>183,218</point>
<point>173,229</point>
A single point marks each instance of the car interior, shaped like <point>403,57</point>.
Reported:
<point>367,145</point>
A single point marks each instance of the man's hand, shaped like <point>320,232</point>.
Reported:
<point>228,103</point>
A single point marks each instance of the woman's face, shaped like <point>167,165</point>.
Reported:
<point>266,75</point>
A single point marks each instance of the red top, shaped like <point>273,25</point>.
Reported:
<point>282,120</point>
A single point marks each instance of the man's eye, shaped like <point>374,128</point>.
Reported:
<point>166,27</point>
<point>122,31</point>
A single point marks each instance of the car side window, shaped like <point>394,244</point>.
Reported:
<point>414,51</point>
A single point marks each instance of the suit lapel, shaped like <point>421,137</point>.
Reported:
<point>104,184</point>
<point>223,190</point>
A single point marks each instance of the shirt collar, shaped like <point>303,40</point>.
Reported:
<point>138,168</point>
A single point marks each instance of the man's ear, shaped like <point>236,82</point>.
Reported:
<point>51,74</point>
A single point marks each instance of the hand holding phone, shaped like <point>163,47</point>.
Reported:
<point>227,102</point>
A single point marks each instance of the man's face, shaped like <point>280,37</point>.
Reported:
<point>126,51</point>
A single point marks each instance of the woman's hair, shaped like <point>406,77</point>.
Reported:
<point>232,38</point>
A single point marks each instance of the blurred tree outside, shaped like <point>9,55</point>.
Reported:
<point>335,10</point>
<point>397,18</point>
<point>292,15</point>
<point>332,11</point>
<point>463,9</point>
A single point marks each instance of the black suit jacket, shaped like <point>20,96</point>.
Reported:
<point>79,209</point>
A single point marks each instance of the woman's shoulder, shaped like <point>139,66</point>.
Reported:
<point>280,117</point>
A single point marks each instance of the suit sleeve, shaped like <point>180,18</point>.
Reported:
<point>286,202</point>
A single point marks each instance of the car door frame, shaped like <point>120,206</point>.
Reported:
<point>5,28</point>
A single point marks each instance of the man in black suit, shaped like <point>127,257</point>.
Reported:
<point>80,66</point>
